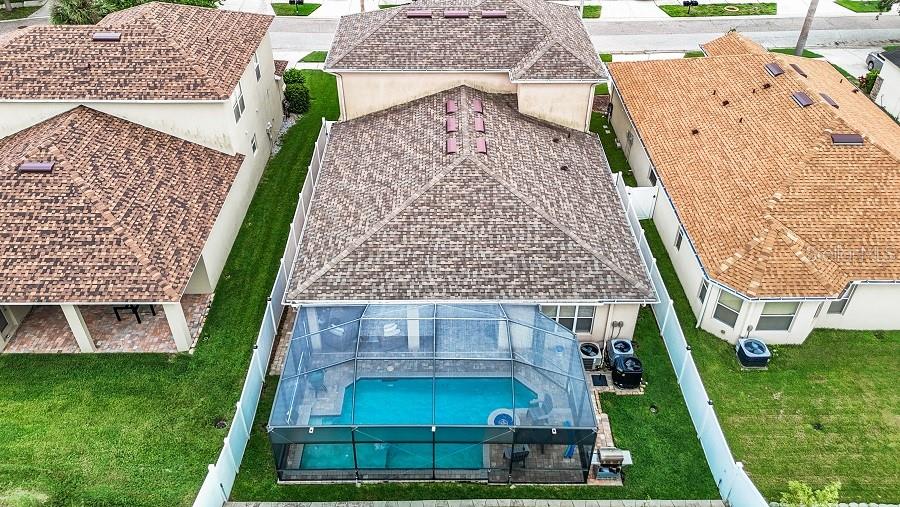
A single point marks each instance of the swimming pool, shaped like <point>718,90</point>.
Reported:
<point>415,401</point>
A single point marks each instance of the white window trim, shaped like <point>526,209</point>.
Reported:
<point>253,144</point>
<point>703,293</point>
<point>793,317</point>
<point>845,299</point>
<point>728,308</point>
<point>237,104</point>
<point>557,317</point>
<point>256,66</point>
<point>679,237</point>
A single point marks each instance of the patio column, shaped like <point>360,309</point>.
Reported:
<point>79,328</point>
<point>181,332</point>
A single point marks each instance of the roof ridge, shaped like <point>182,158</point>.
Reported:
<point>356,243</point>
<point>392,13</point>
<point>546,216</point>
<point>551,33</point>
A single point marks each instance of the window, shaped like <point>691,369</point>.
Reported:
<point>727,308</point>
<point>652,178</point>
<point>777,316</point>
<point>256,66</point>
<point>704,287</point>
<point>840,306</point>
<point>574,317</point>
<point>253,143</point>
<point>629,140</point>
<point>238,106</point>
<point>678,237</point>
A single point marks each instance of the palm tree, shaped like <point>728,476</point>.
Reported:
<point>7,5</point>
<point>75,12</point>
<point>807,24</point>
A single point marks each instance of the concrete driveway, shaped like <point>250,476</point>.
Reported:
<point>853,60</point>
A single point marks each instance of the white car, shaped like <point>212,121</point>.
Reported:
<point>875,60</point>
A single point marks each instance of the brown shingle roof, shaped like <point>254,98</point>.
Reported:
<point>538,40</point>
<point>396,218</point>
<point>123,217</point>
<point>280,67</point>
<point>166,52</point>
<point>772,206</point>
<point>732,43</point>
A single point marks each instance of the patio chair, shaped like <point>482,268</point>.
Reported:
<point>539,410</point>
<point>517,454</point>
<point>317,382</point>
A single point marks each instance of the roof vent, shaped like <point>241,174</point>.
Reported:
<point>766,86</point>
<point>829,100</point>
<point>798,69</point>
<point>35,167</point>
<point>106,36</point>
<point>480,145</point>
<point>418,13</point>
<point>499,13</point>
<point>802,99</point>
<point>477,106</point>
<point>451,106</point>
<point>479,124</point>
<point>846,139</point>
<point>695,131</point>
<point>774,69</point>
<point>456,14</point>
<point>452,124</point>
<point>452,146</point>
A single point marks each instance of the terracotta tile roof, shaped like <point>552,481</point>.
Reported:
<point>280,67</point>
<point>732,43</point>
<point>394,217</point>
<point>537,40</point>
<point>166,52</point>
<point>123,216</point>
<point>774,208</point>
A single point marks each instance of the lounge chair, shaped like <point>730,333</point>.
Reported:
<point>539,411</point>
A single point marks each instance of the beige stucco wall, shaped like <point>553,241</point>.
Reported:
<point>366,92</point>
<point>567,104</point>
<point>889,94</point>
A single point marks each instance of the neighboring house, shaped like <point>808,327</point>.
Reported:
<point>195,95</point>
<point>887,85</point>
<point>778,188</point>
<point>536,49</point>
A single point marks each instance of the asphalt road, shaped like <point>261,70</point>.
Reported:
<point>307,34</point>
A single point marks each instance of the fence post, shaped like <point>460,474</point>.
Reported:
<point>226,448</point>
<point>687,358</point>
<point>709,413</point>
<point>669,309</point>
<point>240,410</point>
<point>214,472</point>
<point>262,367</point>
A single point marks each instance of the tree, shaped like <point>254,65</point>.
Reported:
<point>807,24</point>
<point>885,5</point>
<point>76,12</point>
<point>7,5</point>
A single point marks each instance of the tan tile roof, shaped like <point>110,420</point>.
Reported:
<point>166,52</point>
<point>537,40</point>
<point>732,43</point>
<point>123,216</point>
<point>772,206</point>
<point>394,217</point>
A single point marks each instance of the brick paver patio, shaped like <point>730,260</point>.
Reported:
<point>45,329</point>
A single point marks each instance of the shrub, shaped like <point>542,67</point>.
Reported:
<point>293,76</point>
<point>296,95</point>
<point>76,12</point>
<point>867,82</point>
<point>801,495</point>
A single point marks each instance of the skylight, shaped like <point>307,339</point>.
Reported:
<point>830,101</point>
<point>798,69</point>
<point>456,14</point>
<point>451,106</point>
<point>106,36</point>
<point>493,14</point>
<point>452,124</point>
<point>849,139</point>
<point>774,69</point>
<point>802,99</point>
<point>418,13</point>
<point>452,146</point>
<point>35,167</point>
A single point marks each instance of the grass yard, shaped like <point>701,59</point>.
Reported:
<point>591,11</point>
<point>294,10</point>
<point>891,47</point>
<point>618,163</point>
<point>860,5</point>
<point>825,411</point>
<point>601,89</point>
<point>315,57</point>
<point>17,12</point>
<point>694,54</point>
<point>790,51</point>
<point>605,57</point>
<point>669,462</point>
<point>680,11</point>
<point>138,429</point>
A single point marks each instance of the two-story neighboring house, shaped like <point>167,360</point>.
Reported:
<point>535,49</point>
<point>195,94</point>
<point>778,184</point>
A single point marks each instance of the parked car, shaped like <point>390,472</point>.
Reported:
<point>875,60</point>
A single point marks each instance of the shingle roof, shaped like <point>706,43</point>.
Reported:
<point>537,40</point>
<point>123,216</point>
<point>774,208</point>
<point>893,56</point>
<point>396,218</point>
<point>166,52</point>
<point>732,43</point>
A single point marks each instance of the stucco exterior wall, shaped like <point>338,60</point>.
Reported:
<point>872,306</point>
<point>366,92</point>
<point>567,104</point>
<point>627,135</point>
<point>687,267</point>
<point>889,94</point>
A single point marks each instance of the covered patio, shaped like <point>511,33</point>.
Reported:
<point>96,328</point>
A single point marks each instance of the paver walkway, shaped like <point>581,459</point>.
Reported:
<point>493,503</point>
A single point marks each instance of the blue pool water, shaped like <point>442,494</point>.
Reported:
<point>408,401</point>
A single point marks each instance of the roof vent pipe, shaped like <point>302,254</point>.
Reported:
<point>106,36</point>
<point>35,167</point>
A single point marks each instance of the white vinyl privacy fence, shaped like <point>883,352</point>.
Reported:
<point>735,487</point>
<point>219,480</point>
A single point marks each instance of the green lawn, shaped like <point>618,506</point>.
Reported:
<point>816,415</point>
<point>315,57</point>
<point>891,47</point>
<point>605,57</point>
<point>17,13</point>
<point>138,429</point>
<point>694,54</point>
<point>618,163</point>
<point>860,5</point>
<point>669,462</point>
<point>790,51</point>
<point>702,10</point>
<point>591,11</point>
<point>294,10</point>
<point>601,89</point>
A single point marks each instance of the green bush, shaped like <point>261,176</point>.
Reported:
<point>293,76</point>
<point>89,12</point>
<point>868,81</point>
<point>297,97</point>
<point>801,495</point>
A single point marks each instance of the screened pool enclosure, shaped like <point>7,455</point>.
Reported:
<point>481,392</point>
